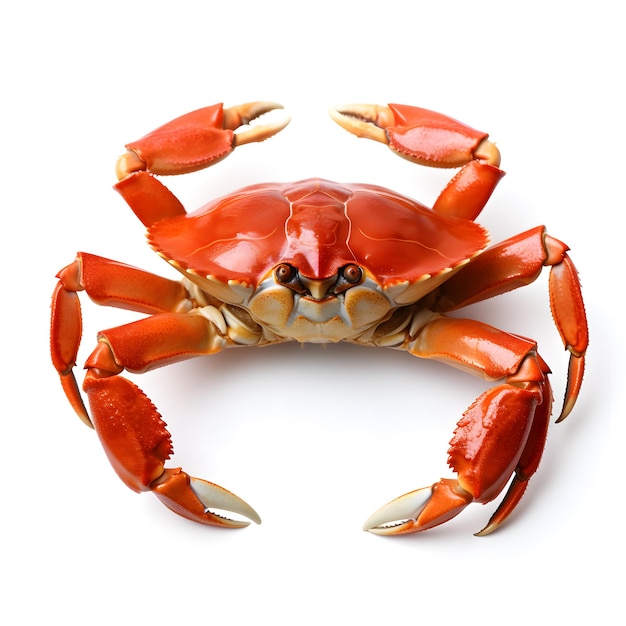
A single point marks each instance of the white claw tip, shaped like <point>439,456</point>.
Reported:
<point>215,497</point>
<point>394,515</point>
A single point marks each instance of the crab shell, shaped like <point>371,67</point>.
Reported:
<point>231,247</point>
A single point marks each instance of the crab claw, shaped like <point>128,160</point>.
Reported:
<point>241,115</point>
<point>188,143</point>
<point>419,510</point>
<point>369,121</point>
<point>420,135</point>
<point>499,438</point>
<point>430,138</point>
<point>195,499</point>
<point>137,444</point>
<point>197,139</point>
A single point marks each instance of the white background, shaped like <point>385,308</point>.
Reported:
<point>315,439</point>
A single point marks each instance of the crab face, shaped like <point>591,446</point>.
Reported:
<point>317,261</point>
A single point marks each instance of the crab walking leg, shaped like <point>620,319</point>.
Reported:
<point>517,262</point>
<point>109,283</point>
<point>501,434</point>
<point>130,428</point>
<point>436,140</point>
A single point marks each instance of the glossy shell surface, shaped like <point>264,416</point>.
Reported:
<point>318,226</point>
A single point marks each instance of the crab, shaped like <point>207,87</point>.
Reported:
<point>318,261</point>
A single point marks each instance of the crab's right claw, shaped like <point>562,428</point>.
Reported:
<point>419,510</point>
<point>197,139</point>
<point>138,443</point>
<point>198,500</point>
<point>188,143</point>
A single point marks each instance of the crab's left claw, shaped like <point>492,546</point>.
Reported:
<point>430,138</point>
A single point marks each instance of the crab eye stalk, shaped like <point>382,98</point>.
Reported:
<point>288,276</point>
<point>349,275</point>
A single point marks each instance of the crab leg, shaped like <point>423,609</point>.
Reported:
<point>514,263</point>
<point>109,283</point>
<point>501,434</point>
<point>436,140</point>
<point>130,428</point>
<point>189,143</point>
<point>430,138</point>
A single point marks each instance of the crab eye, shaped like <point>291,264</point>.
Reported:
<point>285,273</point>
<point>352,273</point>
<point>349,275</point>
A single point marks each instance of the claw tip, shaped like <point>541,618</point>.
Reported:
<point>399,515</point>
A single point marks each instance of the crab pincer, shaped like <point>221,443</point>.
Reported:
<point>187,144</point>
<point>429,138</point>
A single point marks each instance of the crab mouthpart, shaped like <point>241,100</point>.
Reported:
<point>319,290</point>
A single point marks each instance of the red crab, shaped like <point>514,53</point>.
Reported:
<point>318,261</point>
